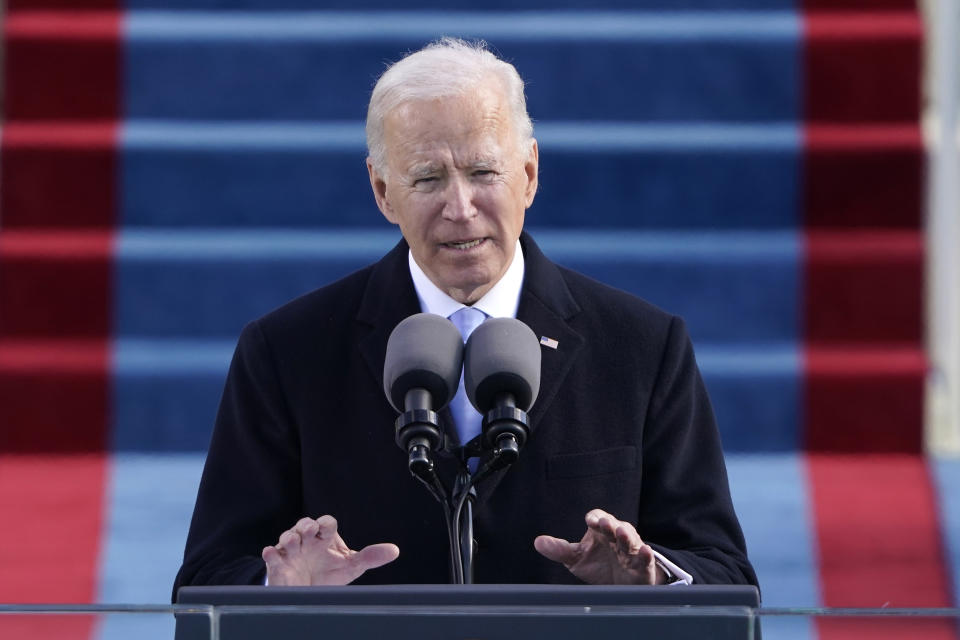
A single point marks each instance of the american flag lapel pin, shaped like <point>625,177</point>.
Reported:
<point>549,342</point>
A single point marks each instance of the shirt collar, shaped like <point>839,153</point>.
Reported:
<point>500,302</point>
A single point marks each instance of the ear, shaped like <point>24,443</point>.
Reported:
<point>379,186</point>
<point>531,168</point>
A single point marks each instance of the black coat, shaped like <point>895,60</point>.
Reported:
<point>622,423</point>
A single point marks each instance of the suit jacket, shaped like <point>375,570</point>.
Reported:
<point>622,423</point>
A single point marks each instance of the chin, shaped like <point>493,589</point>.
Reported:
<point>472,290</point>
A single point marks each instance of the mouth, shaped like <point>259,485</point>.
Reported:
<point>464,245</point>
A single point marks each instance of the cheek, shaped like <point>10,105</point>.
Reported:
<point>498,199</point>
<point>420,214</point>
<point>510,211</point>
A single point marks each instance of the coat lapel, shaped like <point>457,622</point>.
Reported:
<point>389,298</point>
<point>546,306</point>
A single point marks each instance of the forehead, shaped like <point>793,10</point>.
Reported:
<point>474,123</point>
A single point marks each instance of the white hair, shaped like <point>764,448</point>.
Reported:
<point>444,68</point>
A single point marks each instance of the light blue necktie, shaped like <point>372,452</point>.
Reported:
<point>465,417</point>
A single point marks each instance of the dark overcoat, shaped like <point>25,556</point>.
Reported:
<point>622,423</point>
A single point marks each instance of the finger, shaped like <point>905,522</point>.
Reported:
<point>375,555</point>
<point>647,562</point>
<point>602,523</point>
<point>326,527</point>
<point>307,528</point>
<point>646,555</point>
<point>628,540</point>
<point>271,555</point>
<point>289,541</point>
<point>595,515</point>
<point>556,549</point>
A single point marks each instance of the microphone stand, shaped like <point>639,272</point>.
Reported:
<point>418,433</point>
<point>463,490</point>
<point>504,431</point>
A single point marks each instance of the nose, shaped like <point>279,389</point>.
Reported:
<point>458,204</point>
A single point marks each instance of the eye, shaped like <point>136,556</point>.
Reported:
<point>421,182</point>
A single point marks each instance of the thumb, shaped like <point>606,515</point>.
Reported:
<point>376,555</point>
<point>556,549</point>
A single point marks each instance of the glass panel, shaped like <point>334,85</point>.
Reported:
<point>202,622</point>
<point>104,622</point>
<point>860,624</point>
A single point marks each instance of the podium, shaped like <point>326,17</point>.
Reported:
<point>474,612</point>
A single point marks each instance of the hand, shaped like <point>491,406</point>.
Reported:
<point>313,553</point>
<point>610,552</point>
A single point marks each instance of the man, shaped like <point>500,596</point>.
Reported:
<point>622,480</point>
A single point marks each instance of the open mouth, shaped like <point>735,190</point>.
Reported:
<point>464,245</point>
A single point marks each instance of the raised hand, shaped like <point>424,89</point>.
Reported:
<point>313,553</point>
<point>610,552</point>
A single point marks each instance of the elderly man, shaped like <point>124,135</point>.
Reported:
<point>622,480</point>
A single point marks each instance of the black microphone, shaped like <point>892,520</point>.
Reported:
<point>421,373</point>
<point>501,373</point>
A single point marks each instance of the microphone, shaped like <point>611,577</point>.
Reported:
<point>501,373</point>
<point>421,373</point>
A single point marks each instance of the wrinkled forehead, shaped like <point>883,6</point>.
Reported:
<point>480,119</point>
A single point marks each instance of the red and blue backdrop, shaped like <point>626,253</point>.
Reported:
<point>170,169</point>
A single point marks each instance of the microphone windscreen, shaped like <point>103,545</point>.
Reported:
<point>425,351</point>
<point>502,355</point>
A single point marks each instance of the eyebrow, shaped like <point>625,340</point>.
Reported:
<point>422,170</point>
<point>484,163</point>
<point>425,169</point>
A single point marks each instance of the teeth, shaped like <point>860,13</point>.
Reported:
<point>464,245</point>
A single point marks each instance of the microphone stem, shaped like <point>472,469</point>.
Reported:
<point>417,398</point>
<point>438,491</point>
<point>463,522</point>
<point>505,399</point>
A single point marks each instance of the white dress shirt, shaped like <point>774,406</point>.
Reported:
<point>500,302</point>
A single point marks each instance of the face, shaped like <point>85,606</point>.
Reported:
<point>458,185</point>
